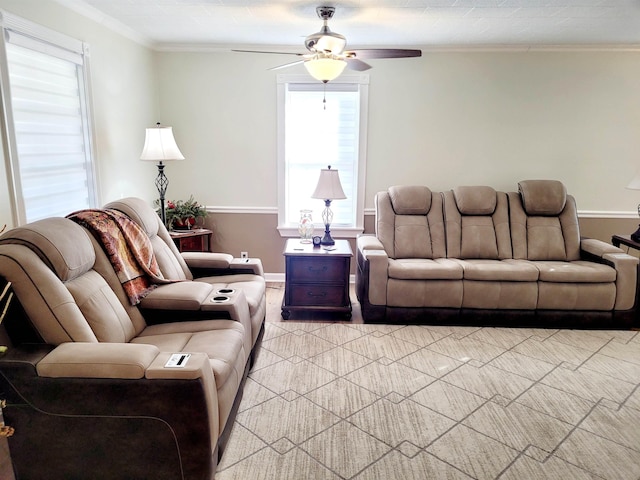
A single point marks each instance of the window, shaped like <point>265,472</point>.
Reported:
<point>47,132</point>
<point>321,125</point>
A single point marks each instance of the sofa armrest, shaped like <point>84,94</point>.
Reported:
<point>626,267</point>
<point>368,242</point>
<point>106,421</point>
<point>209,263</point>
<point>597,248</point>
<point>98,360</point>
<point>178,296</point>
<point>374,260</point>
<point>626,278</point>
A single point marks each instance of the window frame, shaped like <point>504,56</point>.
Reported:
<point>58,41</point>
<point>291,230</point>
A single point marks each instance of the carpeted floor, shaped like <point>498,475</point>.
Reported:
<point>353,401</point>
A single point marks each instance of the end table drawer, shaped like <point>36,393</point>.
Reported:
<point>317,295</point>
<point>316,270</point>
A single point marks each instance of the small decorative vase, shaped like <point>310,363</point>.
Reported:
<point>305,228</point>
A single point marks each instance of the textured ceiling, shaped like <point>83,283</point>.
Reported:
<point>423,23</point>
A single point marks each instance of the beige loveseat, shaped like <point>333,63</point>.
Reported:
<point>507,257</point>
<point>88,385</point>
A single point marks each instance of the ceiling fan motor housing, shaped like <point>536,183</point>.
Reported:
<point>325,41</point>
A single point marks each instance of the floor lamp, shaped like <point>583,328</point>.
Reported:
<point>328,188</point>
<point>160,146</point>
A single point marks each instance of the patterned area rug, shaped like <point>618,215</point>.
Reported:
<point>342,401</point>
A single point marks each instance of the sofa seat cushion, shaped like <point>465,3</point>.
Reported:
<point>579,271</point>
<point>424,269</point>
<point>221,340</point>
<point>499,270</point>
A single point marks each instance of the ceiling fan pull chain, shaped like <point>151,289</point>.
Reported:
<point>324,96</point>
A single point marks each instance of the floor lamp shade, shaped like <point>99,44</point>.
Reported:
<point>160,146</point>
<point>328,188</point>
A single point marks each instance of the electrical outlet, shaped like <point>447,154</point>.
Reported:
<point>244,254</point>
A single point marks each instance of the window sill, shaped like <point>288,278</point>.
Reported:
<point>337,232</point>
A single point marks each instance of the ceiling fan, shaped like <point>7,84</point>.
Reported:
<point>327,57</point>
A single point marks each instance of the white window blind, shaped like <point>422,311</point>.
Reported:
<point>319,134</point>
<point>322,125</point>
<point>49,131</point>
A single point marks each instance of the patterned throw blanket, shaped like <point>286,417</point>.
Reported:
<point>128,248</point>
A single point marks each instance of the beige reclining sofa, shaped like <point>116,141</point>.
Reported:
<point>473,252</point>
<point>93,389</point>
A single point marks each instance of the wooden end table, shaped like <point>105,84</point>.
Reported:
<point>317,278</point>
<point>625,240</point>
<point>194,240</point>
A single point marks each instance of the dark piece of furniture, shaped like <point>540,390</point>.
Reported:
<point>625,240</point>
<point>317,278</point>
<point>196,240</point>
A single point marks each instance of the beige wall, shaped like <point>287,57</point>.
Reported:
<point>446,119</point>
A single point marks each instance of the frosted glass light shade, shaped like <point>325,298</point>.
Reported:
<point>329,186</point>
<point>160,145</point>
<point>325,69</point>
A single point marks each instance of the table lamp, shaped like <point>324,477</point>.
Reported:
<point>328,188</point>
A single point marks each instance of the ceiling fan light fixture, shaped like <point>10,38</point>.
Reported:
<point>325,69</point>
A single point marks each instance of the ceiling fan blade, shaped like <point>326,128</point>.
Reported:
<point>357,65</point>
<point>369,53</point>
<point>273,53</point>
<point>291,64</point>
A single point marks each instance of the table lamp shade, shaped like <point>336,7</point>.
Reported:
<point>329,186</point>
<point>160,145</point>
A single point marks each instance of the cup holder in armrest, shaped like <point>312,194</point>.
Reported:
<point>220,299</point>
<point>226,291</point>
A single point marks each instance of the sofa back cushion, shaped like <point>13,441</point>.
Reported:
<point>50,264</point>
<point>409,222</point>
<point>477,223</point>
<point>171,263</point>
<point>544,222</point>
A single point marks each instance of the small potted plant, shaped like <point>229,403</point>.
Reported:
<point>183,214</point>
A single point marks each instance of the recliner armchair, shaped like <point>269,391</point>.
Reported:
<point>218,271</point>
<point>87,387</point>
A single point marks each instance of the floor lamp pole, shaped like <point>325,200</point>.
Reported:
<point>161,184</point>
